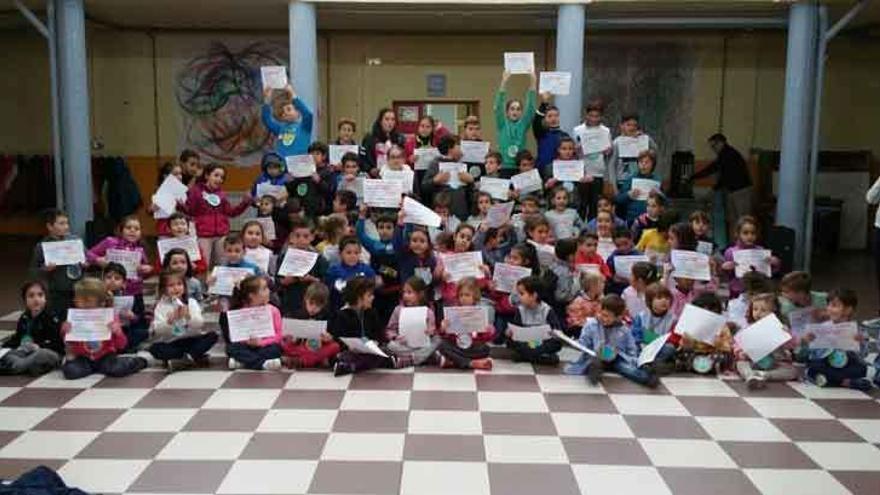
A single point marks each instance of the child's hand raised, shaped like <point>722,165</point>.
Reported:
<point>362,211</point>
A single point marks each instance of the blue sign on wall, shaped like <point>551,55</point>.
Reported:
<point>436,85</point>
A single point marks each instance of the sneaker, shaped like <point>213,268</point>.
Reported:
<point>653,382</point>
<point>446,363</point>
<point>233,364</point>
<point>169,366</point>
<point>547,360</point>
<point>272,364</point>
<point>481,364</point>
<point>756,382</point>
<point>593,373</point>
<point>340,368</point>
<point>819,380</point>
<point>140,363</point>
<point>862,384</point>
<point>203,361</point>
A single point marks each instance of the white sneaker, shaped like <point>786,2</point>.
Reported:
<point>272,364</point>
<point>233,364</point>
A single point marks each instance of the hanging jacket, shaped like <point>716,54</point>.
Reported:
<point>123,195</point>
<point>211,220</point>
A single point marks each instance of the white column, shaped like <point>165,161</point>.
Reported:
<point>302,26</point>
<point>570,27</point>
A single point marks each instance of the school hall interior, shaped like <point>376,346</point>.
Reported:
<point>128,83</point>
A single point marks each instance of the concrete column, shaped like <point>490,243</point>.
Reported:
<point>303,32</point>
<point>570,25</point>
<point>800,79</point>
<point>73,91</point>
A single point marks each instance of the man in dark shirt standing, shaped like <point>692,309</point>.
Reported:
<point>732,178</point>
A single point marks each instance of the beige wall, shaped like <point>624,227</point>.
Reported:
<point>124,109</point>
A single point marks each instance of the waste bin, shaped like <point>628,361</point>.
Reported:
<point>827,216</point>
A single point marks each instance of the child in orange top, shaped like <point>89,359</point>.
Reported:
<point>587,303</point>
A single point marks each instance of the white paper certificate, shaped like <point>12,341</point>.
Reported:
<point>337,151</point>
<point>260,257</point>
<point>605,248</point>
<point>62,253</point>
<point>546,253</point>
<point>650,351</point>
<point>417,213</point>
<point>381,193</point>
<point>169,193</point>
<point>423,157</point>
<point>499,214</point>
<point>300,166</point>
<point>527,182</point>
<point>463,265</point>
<point>362,346</point>
<point>268,225</point>
<point>474,151</point>
<point>535,333</point>
<point>643,188</point>
<point>594,165</point>
<point>623,264</point>
<point>568,170</point>
<point>798,320</point>
<point>226,278</point>
<point>274,76</point>
<point>589,268</point>
<point>188,244</point>
<point>453,168</point>
<point>405,177</point>
<point>269,189</point>
<point>466,319</point>
<point>840,336</point>
<point>506,276</point>
<point>691,264</point>
<point>630,147</point>
<point>497,188</point>
<point>297,262</point>
<point>130,260</point>
<point>304,329</point>
<point>700,324</point>
<point>414,325</point>
<point>762,337</point>
<point>705,248</point>
<point>89,325</point>
<point>519,62</point>
<point>123,303</point>
<point>747,260</point>
<point>595,140</point>
<point>248,323</point>
<point>555,83</point>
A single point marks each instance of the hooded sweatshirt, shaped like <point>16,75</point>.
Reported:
<point>264,177</point>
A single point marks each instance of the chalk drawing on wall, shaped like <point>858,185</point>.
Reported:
<point>219,95</point>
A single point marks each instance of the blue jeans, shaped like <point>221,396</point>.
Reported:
<point>626,370</point>
<point>196,346</point>
<point>855,368</point>
<point>253,358</point>
<point>546,353</point>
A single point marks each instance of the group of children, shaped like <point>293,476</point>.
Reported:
<point>591,261</point>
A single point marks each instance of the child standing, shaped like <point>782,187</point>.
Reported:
<point>358,319</point>
<point>307,353</point>
<point>628,199</point>
<point>775,367</point>
<point>177,331</point>
<point>292,126</point>
<point>565,221</point>
<point>169,168</point>
<point>595,160</point>
<point>415,292</point>
<point>622,164</point>
<point>36,346</point>
<point>436,181</point>
<point>545,126</point>
<point>415,255</point>
<point>59,280</point>
<point>314,192</point>
<point>178,227</point>
<point>613,344</point>
<point>128,238</point>
<point>530,312</point>
<point>465,350</point>
<point>86,358</point>
<point>254,354</point>
<point>747,238</point>
<point>511,125</point>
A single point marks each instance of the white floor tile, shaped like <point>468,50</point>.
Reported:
<point>13,316</point>
<point>196,445</point>
<point>317,380</point>
<point>843,456</point>
<point>741,429</point>
<point>522,402</point>
<point>801,481</point>
<point>869,429</point>
<point>444,478</point>
<point>298,420</point>
<point>787,408</point>
<point>506,367</point>
<point>653,405</point>
<point>107,398</point>
<point>156,420</point>
<point>811,391</point>
<point>7,391</point>
<point>524,449</point>
<point>22,418</point>
<point>711,387</point>
<point>375,400</point>
<point>102,475</point>
<point>458,382</point>
<point>47,444</point>
<point>686,453</point>
<point>445,422</point>
<point>644,480</point>
<point>268,477</point>
<point>55,379</point>
<point>195,379</point>
<point>363,447</point>
<point>238,398</point>
<point>591,425</point>
<point>567,384</point>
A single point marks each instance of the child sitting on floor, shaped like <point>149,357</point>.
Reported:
<point>36,346</point>
<point>775,367</point>
<point>308,353</point>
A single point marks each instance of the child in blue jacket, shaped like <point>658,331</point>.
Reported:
<point>349,267</point>
<point>274,172</point>
<point>628,199</point>
<point>292,127</point>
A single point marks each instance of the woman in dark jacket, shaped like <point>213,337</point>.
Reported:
<point>376,144</point>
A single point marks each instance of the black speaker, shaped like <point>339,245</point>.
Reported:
<point>681,171</point>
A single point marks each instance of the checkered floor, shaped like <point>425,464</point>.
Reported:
<point>514,430</point>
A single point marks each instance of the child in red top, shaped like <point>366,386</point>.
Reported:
<point>178,227</point>
<point>462,242</point>
<point>465,350</point>
<point>587,253</point>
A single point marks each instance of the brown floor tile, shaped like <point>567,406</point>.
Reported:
<point>144,379</point>
<point>580,403</point>
<point>285,446</point>
<point>15,380</point>
<point>125,445</point>
<point>40,397</point>
<point>699,481</point>
<point>309,399</point>
<point>458,448</point>
<point>256,380</point>
<point>443,401</point>
<point>517,424</point>
<point>619,385</point>
<point>371,422</point>
<point>859,482</point>
<point>666,427</point>
<point>80,419</point>
<point>225,420</point>
<point>177,398</point>
<point>181,477</point>
<point>507,383</point>
<point>816,430</point>
<point>549,370</point>
<point>355,478</point>
<point>528,479</point>
<point>381,381</point>
<point>616,451</point>
<point>718,406</point>
<point>771,389</point>
<point>7,436</point>
<point>768,455</point>
<point>13,468</point>
<point>851,408</point>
